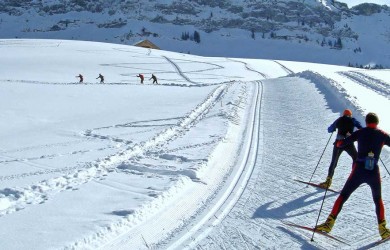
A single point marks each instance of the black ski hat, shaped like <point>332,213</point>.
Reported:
<point>372,118</point>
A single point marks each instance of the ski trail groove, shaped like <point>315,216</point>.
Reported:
<point>15,199</point>
<point>236,187</point>
<point>249,68</point>
<point>179,71</point>
<point>374,84</point>
<point>288,71</point>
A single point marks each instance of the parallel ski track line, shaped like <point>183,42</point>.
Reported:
<point>288,71</point>
<point>236,189</point>
<point>40,192</point>
<point>374,84</point>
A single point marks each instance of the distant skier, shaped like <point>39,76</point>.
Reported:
<point>345,126</point>
<point>101,78</point>
<point>154,79</point>
<point>141,76</point>
<point>81,78</point>
<point>364,170</point>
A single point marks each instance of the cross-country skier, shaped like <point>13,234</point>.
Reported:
<point>101,78</point>
<point>141,76</point>
<point>81,77</point>
<point>345,126</point>
<point>364,170</point>
<point>154,79</point>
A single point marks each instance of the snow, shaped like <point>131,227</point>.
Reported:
<point>206,159</point>
<point>352,3</point>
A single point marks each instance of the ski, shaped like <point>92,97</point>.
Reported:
<point>316,231</point>
<point>316,185</point>
<point>376,243</point>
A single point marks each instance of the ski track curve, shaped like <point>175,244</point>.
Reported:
<point>249,68</point>
<point>369,82</point>
<point>179,71</point>
<point>15,199</point>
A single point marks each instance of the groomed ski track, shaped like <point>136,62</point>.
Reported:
<point>255,221</point>
<point>213,199</point>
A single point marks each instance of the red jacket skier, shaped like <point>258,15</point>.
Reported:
<point>141,76</point>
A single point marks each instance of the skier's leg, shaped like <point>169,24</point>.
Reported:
<point>355,179</point>
<point>351,150</point>
<point>335,158</point>
<point>374,181</point>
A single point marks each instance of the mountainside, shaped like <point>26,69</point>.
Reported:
<point>323,31</point>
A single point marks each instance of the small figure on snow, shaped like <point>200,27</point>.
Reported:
<point>141,76</point>
<point>154,79</point>
<point>101,78</point>
<point>345,126</point>
<point>81,78</point>
<point>365,170</point>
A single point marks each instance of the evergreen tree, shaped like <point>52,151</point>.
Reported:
<point>338,43</point>
<point>196,36</point>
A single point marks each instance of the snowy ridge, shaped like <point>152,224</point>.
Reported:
<point>14,199</point>
<point>331,89</point>
<point>130,232</point>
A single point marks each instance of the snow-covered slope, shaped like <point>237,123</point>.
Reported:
<point>205,159</point>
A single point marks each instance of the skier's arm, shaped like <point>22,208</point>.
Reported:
<point>356,123</point>
<point>332,127</point>
<point>350,139</point>
<point>387,140</point>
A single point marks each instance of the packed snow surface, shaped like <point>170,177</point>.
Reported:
<point>205,159</point>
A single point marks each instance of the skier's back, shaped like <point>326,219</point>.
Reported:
<point>81,78</point>
<point>345,126</point>
<point>101,78</point>
<point>154,79</point>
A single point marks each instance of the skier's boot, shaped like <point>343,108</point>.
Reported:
<point>383,231</point>
<point>327,226</point>
<point>327,183</point>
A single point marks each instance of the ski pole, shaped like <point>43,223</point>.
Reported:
<point>319,214</point>
<point>384,165</point>
<point>321,157</point>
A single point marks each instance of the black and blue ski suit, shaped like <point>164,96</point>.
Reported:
<point>345,126</point>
